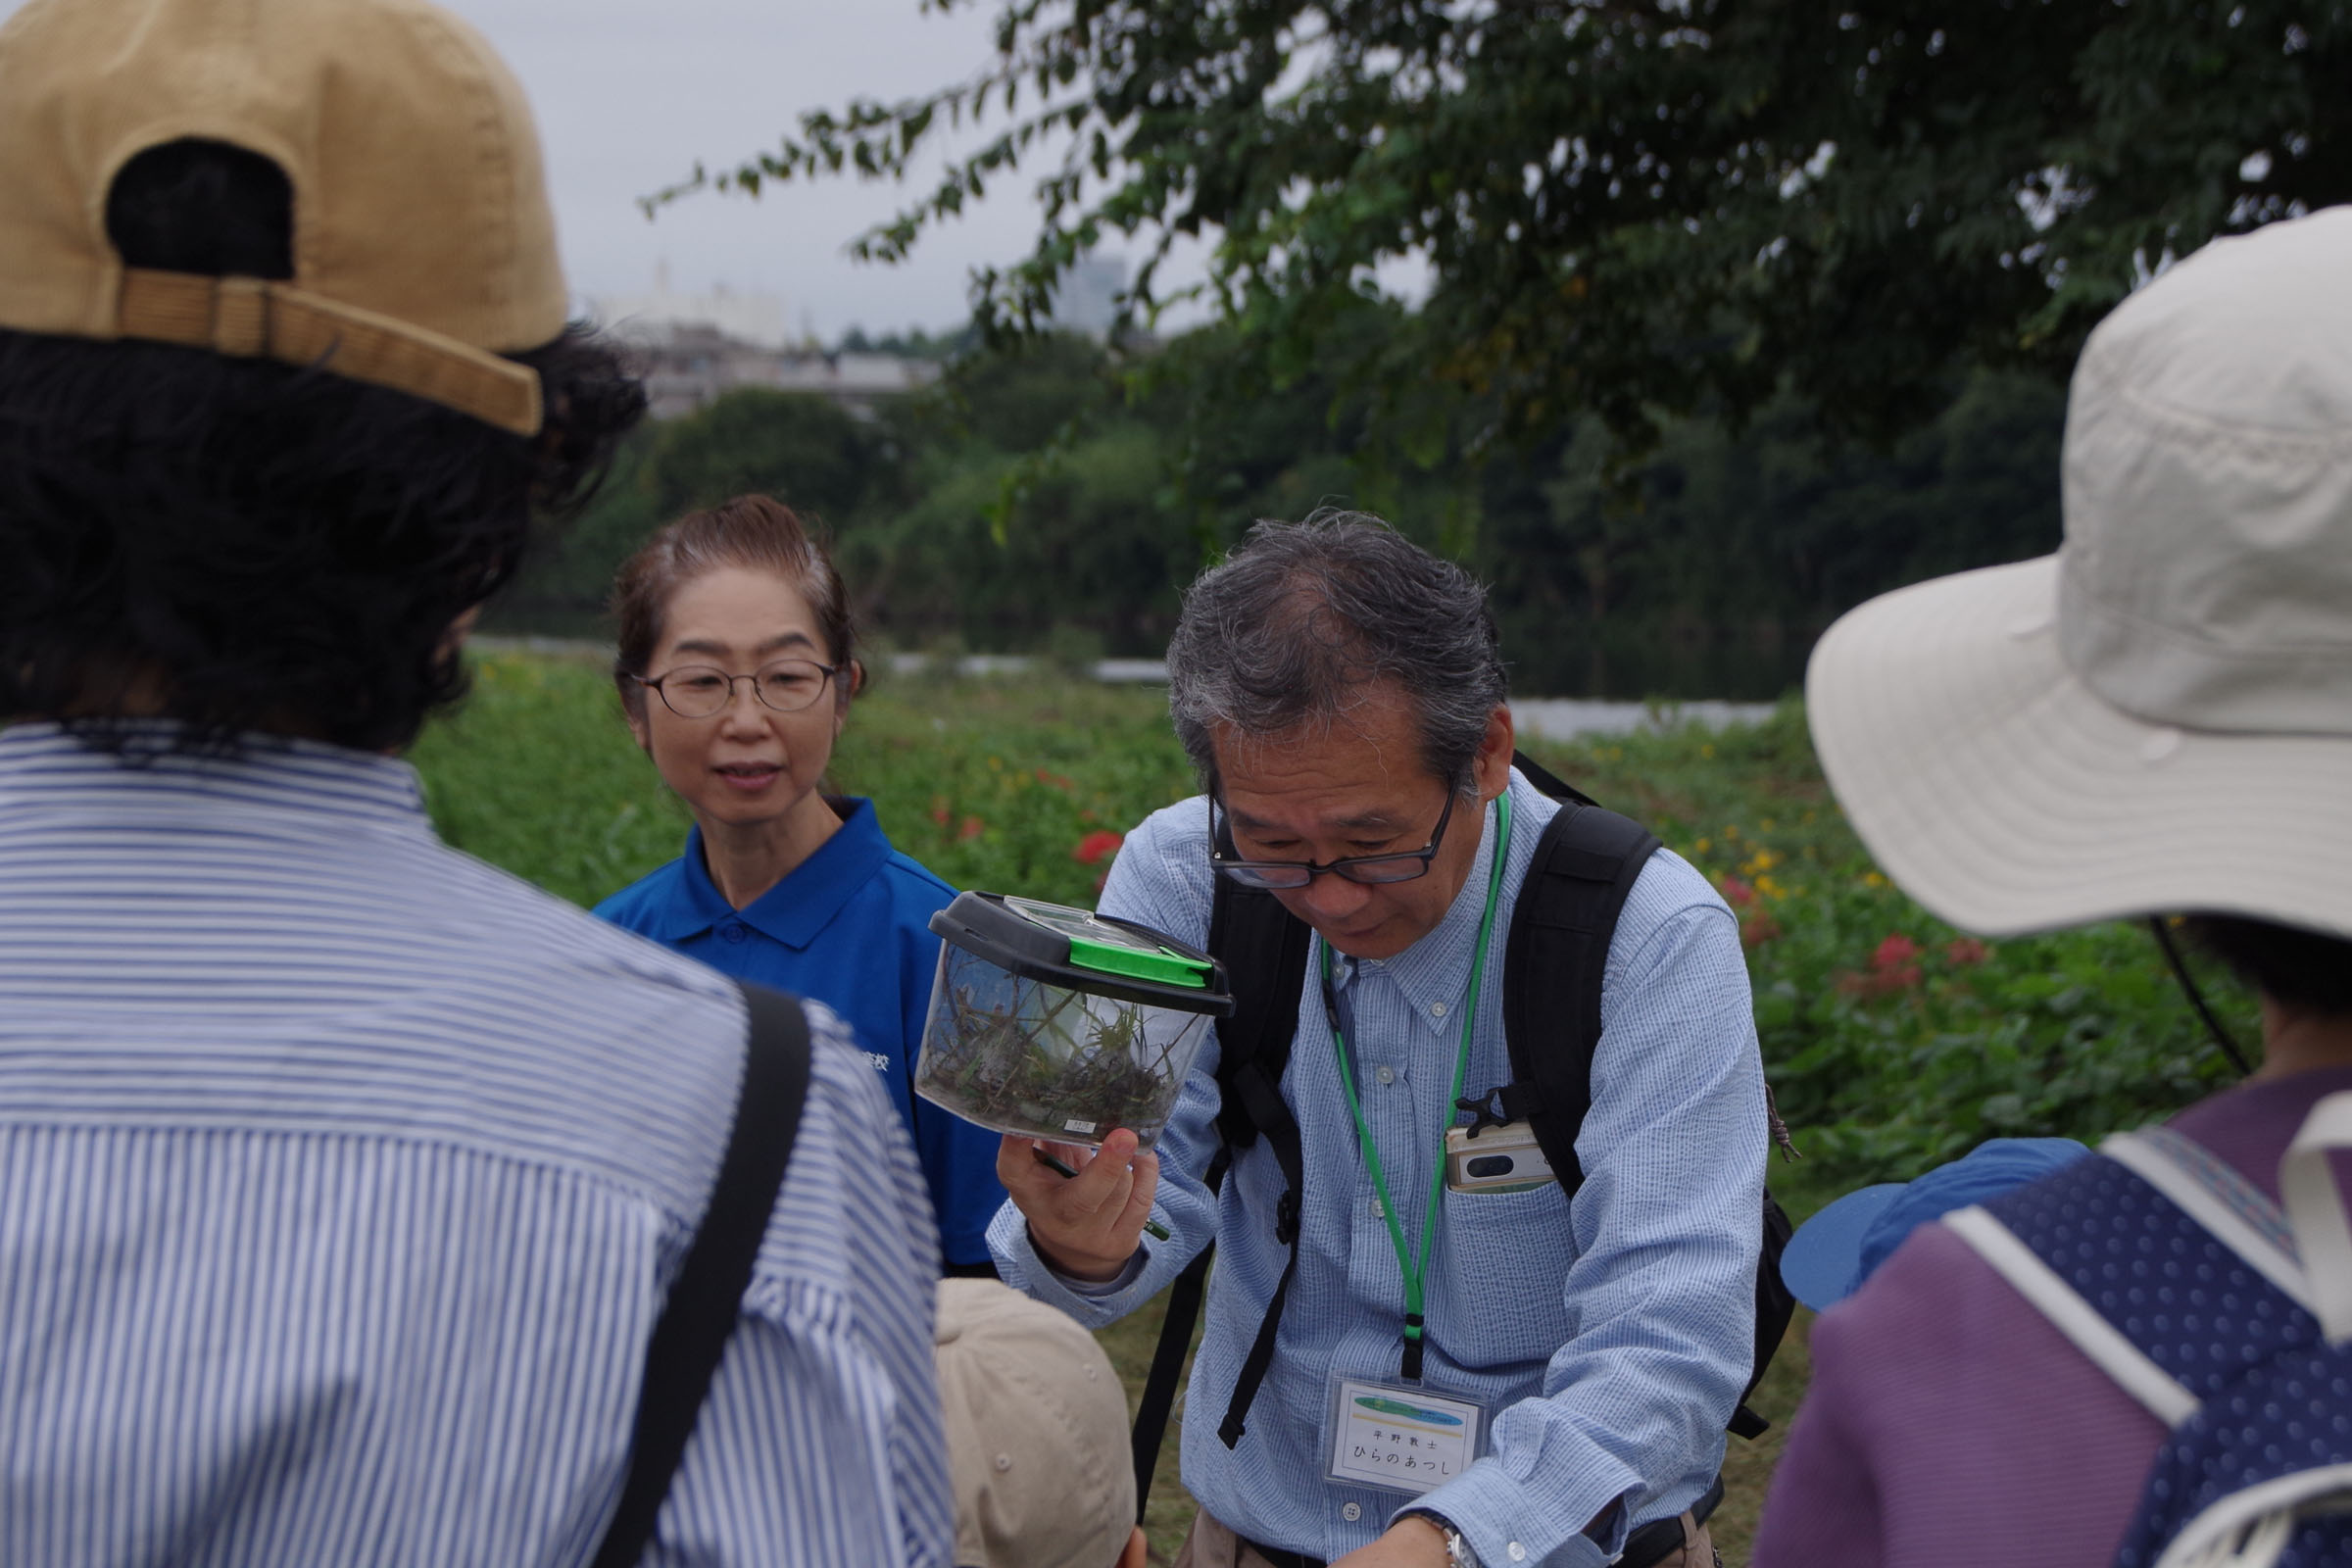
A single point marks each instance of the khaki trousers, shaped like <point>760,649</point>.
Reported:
<point>1211,1544</point>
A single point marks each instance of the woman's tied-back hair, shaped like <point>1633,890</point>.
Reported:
<point>243,546</point>
<point>2287,964</point>
<point>754,531</point>
<point>1302,622</point>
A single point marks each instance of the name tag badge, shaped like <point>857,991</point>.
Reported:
<point>1399,1437</point>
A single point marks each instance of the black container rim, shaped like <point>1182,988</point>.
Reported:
<point>981,925</point>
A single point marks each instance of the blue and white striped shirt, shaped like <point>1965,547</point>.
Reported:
<point>341,1179</point>
<point>1610,1335</point>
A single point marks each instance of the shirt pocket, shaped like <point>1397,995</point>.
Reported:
<point>1496,1290</point>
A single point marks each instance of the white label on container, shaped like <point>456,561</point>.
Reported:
<point>1078,1127</point>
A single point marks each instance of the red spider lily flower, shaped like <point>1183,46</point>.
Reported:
<point>973,828</point>
<point>1966,950</point>
<point>1894,967</point>
<point>938,809</point>
<point>1096,845</point>
<point>1738,891</point>
<point>1894,952</point>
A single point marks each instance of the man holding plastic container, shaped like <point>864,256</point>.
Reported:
<point>1554,1371</point>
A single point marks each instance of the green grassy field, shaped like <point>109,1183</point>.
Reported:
<point>1892,1041</point>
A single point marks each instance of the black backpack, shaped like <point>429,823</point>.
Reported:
<point>1585,866</point>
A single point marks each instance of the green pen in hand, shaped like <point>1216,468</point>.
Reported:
<point>1157,1230</point>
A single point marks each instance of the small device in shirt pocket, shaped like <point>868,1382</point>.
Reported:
<point>1501,1158</point>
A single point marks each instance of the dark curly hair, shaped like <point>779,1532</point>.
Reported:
<point>242,546</point>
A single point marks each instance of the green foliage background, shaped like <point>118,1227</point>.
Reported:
<point>1704,571</point>
<point>1883,1068</point>
<point>1626,211</point>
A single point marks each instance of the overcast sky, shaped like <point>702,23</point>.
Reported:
<point>631,93</point>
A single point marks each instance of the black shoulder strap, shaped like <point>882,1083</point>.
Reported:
<point>1551,783</point>
<point>1585,866</point>
<point>1264,950</point>
<point>1263,947</point>
<point>706,1298</point>
<point>1158,1402</point>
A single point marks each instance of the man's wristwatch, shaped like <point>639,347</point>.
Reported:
<point>1457,1550</point>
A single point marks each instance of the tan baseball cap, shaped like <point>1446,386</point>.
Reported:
<point>2159,717</point>
<point>1037,1434</point>
<point>423,245</point>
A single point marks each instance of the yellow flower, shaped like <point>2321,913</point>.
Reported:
<point>1770,889</point>
<point>1702,846</point>
<point>1872,879</point>
<point>1731,834</point>
<point>1764,861</point>
<point>1707,749</point>
<point>1768,824</point>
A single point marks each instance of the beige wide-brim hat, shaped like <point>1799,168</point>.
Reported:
<point>2159,717</point>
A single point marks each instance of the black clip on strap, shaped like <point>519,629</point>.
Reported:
<point>1507,1102</point>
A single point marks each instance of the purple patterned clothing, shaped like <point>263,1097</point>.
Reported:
<point>1948,1425</point>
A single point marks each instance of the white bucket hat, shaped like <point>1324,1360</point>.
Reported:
<point>2159,717</point>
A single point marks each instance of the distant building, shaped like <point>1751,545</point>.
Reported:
<point>754,319</point>
<point>1088,298</point>
<point>686,367</point>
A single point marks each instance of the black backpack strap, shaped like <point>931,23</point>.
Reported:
<point>1158,1402</point>
<point>707,1298</point>
<point>1551,783</point>
<point>1776,1304</point>
<point>1265,951</point>
<point>1585,866</point>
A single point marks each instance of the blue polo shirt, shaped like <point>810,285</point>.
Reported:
<point>850,927</point>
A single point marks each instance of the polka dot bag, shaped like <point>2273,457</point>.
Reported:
<point>2227,1315</point>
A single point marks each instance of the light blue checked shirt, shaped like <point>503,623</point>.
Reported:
<point>341,1179</point>
<point>1611,1335</point>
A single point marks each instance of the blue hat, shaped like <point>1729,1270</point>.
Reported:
<point>1837,1249</point>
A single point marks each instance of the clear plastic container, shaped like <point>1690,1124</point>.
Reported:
<point>1053,1023</point>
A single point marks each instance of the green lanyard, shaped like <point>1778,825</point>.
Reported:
<point>1415,1268</point>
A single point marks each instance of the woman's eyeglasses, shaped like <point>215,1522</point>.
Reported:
<point>1368,868</point>
<point>698,691</point>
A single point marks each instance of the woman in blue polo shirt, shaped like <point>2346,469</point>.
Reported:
<point>736,670</point>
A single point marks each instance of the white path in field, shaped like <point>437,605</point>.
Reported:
<point>1547,717</point>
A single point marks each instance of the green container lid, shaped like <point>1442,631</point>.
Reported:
<point>1084,952</point>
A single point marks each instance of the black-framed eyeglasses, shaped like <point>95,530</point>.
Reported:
<point>699,691</point>
<point>1374,870</point>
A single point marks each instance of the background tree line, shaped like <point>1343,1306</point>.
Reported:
<point>1054,498</point>
<point>1731,311</point>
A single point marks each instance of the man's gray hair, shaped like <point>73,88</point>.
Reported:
<point>1298,623</point>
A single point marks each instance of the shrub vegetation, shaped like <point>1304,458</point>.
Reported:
<point>1892,1041</point>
